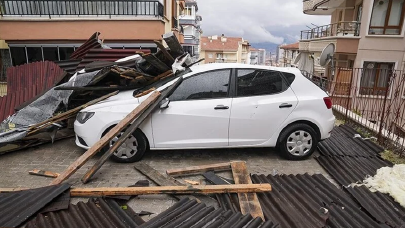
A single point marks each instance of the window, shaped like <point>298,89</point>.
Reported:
<point>65,52</point>
<point>34,54</point>
<point>375,77</point>
<point>387,17</point>
<point>260,82</point>
<point>219,56</point>
<point>210,55</point>
<point>209,85</point>
<point>50,53</point>
<point>18,55</point>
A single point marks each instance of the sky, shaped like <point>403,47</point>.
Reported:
<point>258,21</point>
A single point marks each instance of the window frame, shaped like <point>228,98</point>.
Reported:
<point>235,82</point>
<point>229,95</point>
<point>376,87</point>
<point>386,21</point>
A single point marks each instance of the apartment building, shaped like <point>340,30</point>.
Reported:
<point>289,54</point>
<point>257,56</point>
<point>367,78</point>
<point>190,23</point>
<point>222,49</point>
<point>52,30</point>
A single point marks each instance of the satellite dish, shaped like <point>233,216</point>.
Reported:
<point>327,54</point>
<point>297,59</point>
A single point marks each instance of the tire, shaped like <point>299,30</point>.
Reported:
<point>132,150</point>
<point>298,141</point>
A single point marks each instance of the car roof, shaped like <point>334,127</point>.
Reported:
<point>216,66</point>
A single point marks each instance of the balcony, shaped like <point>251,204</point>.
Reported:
<point>78,8</point>
<point>320,7</point>
<point>345,35</point>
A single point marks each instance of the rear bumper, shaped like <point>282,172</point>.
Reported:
<point>328,126</point>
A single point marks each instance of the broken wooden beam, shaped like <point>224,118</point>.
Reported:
<point>143,114</point>
<point>44,173</point>
<point>249,202</point>
<point>155,62</point>
<point>193,170</point>
<point>96,88</point>
<point>107,138</point>
<point>164,51</point>
<point>194,189</point>
<point>175,47</point>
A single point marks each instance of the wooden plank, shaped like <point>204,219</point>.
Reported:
<point>164,51</point>
<point>249,202</point>
<point>154,61</point>
<point>194,189</point>
<point>193,170</point>
<point>143,114</point>
<point>175,47</point>
<point>106,138</point>
<point>163,180</point>
<point>44,173</point>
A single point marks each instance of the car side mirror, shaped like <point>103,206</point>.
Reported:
<point>164,103</point>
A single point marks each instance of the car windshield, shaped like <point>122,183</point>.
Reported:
<point>162,82</point>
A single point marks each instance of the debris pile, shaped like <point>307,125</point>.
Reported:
<point>95,77</point>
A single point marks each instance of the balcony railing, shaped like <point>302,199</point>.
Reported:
<point>81,8</point>
<point>344,28</point>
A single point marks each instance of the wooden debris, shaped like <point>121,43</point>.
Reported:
<point>106,138</point>
<point>164,51</point>
<point>155,62</point>
<point>143,113</point>
<point>193,170</point>
<point>163,180</point>
<point>198,189</point>
<point>249,202</point>
<point>145,92</point>
<point>175,47</point>
<point>44,173</point>
<point>192,182</point>
<point>66,115</point>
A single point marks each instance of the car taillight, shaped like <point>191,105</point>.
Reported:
<point>328,102</point>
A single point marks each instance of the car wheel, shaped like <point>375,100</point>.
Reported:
<point>132,150</point>
<point>298,141</point>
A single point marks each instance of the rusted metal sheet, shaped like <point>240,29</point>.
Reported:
<point>345,141</point>
<point>69,66</point>
<point>17,207</point>
<point>44,74</point>
<point>110,55</point>
<point>91,43</point>
<point>309,201</point>
<point>188,213</point>
<point>347,170</point>
<point>380,206</point>
<point>97,213</point>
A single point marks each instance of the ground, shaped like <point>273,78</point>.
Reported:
<point>58,156</point>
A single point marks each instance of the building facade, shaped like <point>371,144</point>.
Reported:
<point>287,59</point>
<point>190,23</point>
<point>257,56</point>
<point>222,49</point>
<point>52,30</point>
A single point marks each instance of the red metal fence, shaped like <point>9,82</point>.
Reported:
<point>372,98</point>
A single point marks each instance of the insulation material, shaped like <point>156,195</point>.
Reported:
<point>390,180</point>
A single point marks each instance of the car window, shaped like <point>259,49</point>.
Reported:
<point>253,82</point>
<point>208,85</point>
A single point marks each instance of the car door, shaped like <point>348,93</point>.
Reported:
<point>198,113</point>
<point>262,101</point>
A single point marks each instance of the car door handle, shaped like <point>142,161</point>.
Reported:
<point>221,107</point>
<point>285,105</point>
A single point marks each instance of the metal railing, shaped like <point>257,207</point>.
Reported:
<point>81,8</point>
<point>344,28</point>
<point>373,99</point>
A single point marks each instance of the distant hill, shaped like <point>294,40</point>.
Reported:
<point>267,46</point>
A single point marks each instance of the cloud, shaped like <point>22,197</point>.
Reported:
<point>258,21</point>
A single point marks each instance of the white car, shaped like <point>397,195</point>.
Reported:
<point>220,106</point>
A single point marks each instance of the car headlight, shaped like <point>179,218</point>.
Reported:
<point>82,117</point>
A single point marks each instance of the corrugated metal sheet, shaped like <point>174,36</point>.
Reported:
<point>188,213</point>
<point>343,143</point>
<point>347,170</point>
<point>69,66</point>
<point>43,74</point>
<point>17,207</point>
<point>380,206</point>
<point>91,43</point>
<point>110,55</point>
<point>309,201</point>
<point>97,213</point>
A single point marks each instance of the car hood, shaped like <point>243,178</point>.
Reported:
<point>122,98</point>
